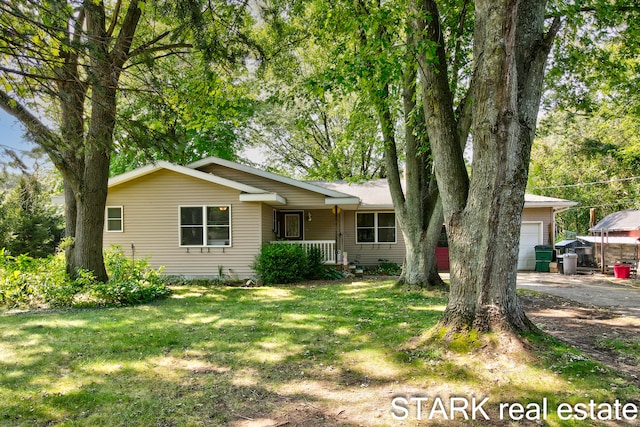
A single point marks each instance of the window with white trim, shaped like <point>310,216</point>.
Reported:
<point>205,225</point>
<point>114,219</point>
<point>376,227</point>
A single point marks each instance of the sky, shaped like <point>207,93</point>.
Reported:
<point>11,132</point>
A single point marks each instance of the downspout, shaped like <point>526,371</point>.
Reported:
<point>335,209</point>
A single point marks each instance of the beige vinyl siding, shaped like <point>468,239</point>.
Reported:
<point>296,197</point>
<point>151,211</point>
<point>541,214</point>
<point>267,224</point>
<point>322,225</point>
<point>370,253</point>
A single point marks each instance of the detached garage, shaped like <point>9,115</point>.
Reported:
<point>531,235</point>
<point>538,226</point>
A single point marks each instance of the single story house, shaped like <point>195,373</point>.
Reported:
<point>616,239</point>
<point>213,216</point>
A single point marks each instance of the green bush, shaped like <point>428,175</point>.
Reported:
<point>281,263</point>
<point>288,263</point>
<point>43,282</point>
<point>315,268</point>
<point>130,281</point>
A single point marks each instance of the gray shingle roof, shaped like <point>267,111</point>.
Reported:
<point>628,219</point>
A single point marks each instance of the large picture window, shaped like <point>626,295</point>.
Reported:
<point>375,227</point>
<point>205,225</point>
<point>114,219</point>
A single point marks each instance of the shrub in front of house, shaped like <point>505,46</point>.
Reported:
<point>27,282</point>
<point>130,281</point>
<point>288,263</point>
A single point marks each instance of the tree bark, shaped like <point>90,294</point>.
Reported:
<point>419,211</point>
<point>483,213</point>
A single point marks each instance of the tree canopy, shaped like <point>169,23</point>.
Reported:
<point>63,67</point>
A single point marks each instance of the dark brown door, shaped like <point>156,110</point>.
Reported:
<point>291,225</point>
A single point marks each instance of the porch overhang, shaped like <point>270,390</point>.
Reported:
<point>269,198</point>
<point>342,201</point>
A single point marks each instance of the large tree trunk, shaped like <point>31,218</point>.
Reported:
<point>484,236</point>
<point>86,252</point>
<point>418,212</point>
<point>418,208</point>
<point>483,214</point>
<point>420,266</point>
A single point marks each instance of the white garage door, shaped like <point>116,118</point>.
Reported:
<point>530,236</point>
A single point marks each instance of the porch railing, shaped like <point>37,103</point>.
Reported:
<point>327,247</point>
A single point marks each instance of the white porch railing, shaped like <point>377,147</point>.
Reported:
<point>326,247</point>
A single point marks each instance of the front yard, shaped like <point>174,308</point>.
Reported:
<point>313,355</point>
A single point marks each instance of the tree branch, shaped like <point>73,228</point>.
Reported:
<point>41,133</point>
<point>114,18</point>
<point>30,75</point>
<point>121,49</point>
<point>139,51</point>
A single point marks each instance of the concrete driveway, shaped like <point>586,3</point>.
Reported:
<point>621,295</point>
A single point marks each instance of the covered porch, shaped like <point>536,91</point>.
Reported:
<point>328,249</point>
<point>321,228</point>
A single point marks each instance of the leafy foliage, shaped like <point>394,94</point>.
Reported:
<point>27,282</point>
<point>387,268</point>
<point>592,159</point>
<point>288,263</point>
<point>194,110</point>
<point>29,224</point>
<point>314,122</point>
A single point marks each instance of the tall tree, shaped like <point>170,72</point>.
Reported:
<point>372,53</point>
<point>61,65</point>
<point>512,41</point>
<point>483,211</point>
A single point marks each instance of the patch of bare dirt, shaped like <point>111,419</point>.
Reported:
<point>585,327</point>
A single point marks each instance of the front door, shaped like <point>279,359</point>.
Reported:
<point>291,225</point>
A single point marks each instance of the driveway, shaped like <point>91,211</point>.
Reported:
<point>620,295</point>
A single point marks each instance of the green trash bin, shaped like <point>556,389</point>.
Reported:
<point>543,266</point>
<point>544,256</point>
<point>544,253</point>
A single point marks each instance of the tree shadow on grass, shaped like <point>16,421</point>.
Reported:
<point>295,356</point>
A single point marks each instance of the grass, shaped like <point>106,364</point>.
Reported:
<point>292,355</point>
<point>626,348</point>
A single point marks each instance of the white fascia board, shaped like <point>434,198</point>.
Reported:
<point>550,204</point>
<point>378,207</point>
<point>272,198</point>
<point>146,170</point>
<point>268,175</point>
<point>341,201</point>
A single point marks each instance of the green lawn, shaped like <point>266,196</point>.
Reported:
<point>334,354</point>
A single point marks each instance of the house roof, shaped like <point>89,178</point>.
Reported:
<point>342,198</point>
<point>376,194</point>
<point>372,194</point>
<point>535,201</point>
<point>625,220</point>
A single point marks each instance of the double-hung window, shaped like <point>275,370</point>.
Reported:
<point>114,219</point>
<point>205,225</point>
<point>375,227</point>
